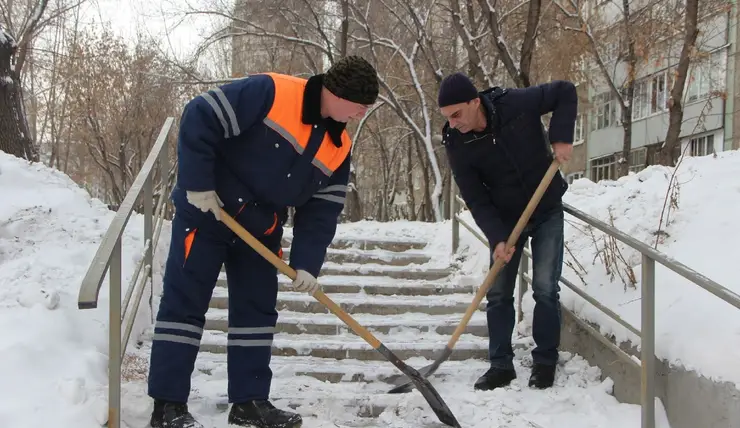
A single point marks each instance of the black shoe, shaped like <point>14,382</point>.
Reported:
<point>262,414</point>
<point>543,376</point>
<point>495,378</point>
<point>172,415</point>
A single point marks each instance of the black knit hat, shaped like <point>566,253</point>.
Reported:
<point>455,89</point>
<point>354,79</point>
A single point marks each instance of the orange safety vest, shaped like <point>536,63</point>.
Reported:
<point>285,117</point>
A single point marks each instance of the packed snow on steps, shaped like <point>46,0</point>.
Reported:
<point>578,400</point>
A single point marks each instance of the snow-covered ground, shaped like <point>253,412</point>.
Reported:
<point>53,356</point>
<point>694,328</point>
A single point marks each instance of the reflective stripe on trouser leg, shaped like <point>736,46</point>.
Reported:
<point>187,288</point>
<point>252,282</point>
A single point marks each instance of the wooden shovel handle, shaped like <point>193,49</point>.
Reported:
<point>290,273</point>
<point>499,263</point>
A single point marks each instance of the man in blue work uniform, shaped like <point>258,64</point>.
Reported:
<point>252,147</point>
<point>498,153</point>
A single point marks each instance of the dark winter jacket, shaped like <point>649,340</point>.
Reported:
<point>498,170</point>
<point>262,144</point>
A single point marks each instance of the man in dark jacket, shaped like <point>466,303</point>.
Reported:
<point>252,147</point>
<point>497,150</point>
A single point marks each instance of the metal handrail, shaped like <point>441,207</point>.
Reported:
<point>702,281</point>
<point>650,256</point>
<point>107,259</point>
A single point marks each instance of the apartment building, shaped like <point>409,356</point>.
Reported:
<point>711,91</point>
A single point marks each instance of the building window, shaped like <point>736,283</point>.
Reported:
<point>659,92</point>
<point>573,176</point>
<point>707,76</point>
<point>578,133</point>
<point>701,146</point>
<point>638,159</point>
<point>611,49</point>
<point>652,94</point>
<point>603,168</point>
<point>640,99</point>
<point>604,111</point>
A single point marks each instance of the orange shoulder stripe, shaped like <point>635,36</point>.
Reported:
<point>285,117</point>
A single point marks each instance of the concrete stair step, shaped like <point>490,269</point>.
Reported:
<point>408,272</point>
<point>376,285</point>
<point>364,304</point>
<point>370,243</point>
<point>351,346</point>
<point>383,257</point>
<point>328,324</point>
<point>353,388</point>
<point>334,371</point>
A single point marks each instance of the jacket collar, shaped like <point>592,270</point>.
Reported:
<point>311,113</point>
<point>487,99</point>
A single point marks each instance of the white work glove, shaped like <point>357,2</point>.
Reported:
<point>304,281</point>
<point>206,201</point>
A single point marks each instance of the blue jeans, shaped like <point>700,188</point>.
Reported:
<point>547,262</point>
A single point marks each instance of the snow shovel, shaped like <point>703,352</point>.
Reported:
<point>425,388</point>
<point>403,384</point>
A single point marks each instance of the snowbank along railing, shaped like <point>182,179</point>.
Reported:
<point>107,259</point>
<point>646,333</point>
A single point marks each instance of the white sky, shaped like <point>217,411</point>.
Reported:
<point>157,18</point>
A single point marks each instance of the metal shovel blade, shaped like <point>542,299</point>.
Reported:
<point>404,384</point>
<point>426,389</point>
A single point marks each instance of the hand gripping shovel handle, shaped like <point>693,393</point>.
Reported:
<point>492,273</point>
<point>425,388</point>
<point>499,263</point>
<point>290,273</point>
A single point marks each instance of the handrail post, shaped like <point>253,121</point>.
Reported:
<point>647,343</point>
<point>453,216</point>
<point>149,222</point>
<point>114,339</point>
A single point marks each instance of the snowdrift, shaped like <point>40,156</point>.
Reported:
<point>53,357</point>
<point>700,228</point>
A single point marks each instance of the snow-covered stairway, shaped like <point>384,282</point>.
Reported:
<point>384,286</point>
<point>404,293</point>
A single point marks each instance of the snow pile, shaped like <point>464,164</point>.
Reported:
<point>53,357</point>
<point>694,328</point>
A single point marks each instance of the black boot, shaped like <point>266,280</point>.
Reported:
<point>262,414</point>
<point>495,378</point>
<point>172,415</point>
<point>543,376</point>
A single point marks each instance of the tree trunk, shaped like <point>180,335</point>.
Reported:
<point>411,200</point>
<point>354,205</point>
<point>629,92</point>
<point>14,136</point>
<point>343,41</point>
<point>427,213</point>
<point>675,105</point>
